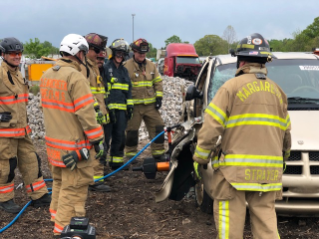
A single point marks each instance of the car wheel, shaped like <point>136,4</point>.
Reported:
<point>203,201</point>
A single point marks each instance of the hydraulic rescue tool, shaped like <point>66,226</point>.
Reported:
<point>150,166</point>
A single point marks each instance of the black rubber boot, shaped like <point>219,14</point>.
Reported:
<point>160,158</point>
<point>100,187</point>
<point>10,206</point>
<point>43,201</point>
<point>115,166</point>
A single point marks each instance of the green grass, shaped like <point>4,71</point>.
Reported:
<point>34,89</point>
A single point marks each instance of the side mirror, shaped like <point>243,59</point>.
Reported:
<point>232,52</point>
<point>192,93</point>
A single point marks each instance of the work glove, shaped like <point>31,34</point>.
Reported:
<point>100,117</point>
<point>99,149</point>
<point>284,166</point>
<point>107,118</point>
<point>129,113</point>
<point>70,160</point>
<point>286,154</point>
<point>158,103</point>
<point>103,157</point>
<point>5,116</point>
<point>196,166</point>
<point>112,116</point>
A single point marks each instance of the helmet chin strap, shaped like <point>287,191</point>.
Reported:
<point>13,66</point>
<point>86,64</point>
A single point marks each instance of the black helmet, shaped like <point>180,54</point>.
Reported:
<point>96,40</point>
<point>10,44</point>
<point>253,48</point>
<point>119,45</point>
<point>140,45</point>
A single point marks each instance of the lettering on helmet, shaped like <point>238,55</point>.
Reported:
<point>261,174</point>
<point>249,40</point>
<point>257,87</point>
<point>257,41</point>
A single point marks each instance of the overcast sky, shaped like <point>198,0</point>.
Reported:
<point>155,20</point>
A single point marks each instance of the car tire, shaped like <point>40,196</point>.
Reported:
<point>202,199</point>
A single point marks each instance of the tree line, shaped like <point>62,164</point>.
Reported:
<point>301,41</point>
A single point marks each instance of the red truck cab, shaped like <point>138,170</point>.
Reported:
<point>181,60</point>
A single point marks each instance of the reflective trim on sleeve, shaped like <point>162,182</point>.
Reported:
<point>287,121</point>
<point>202,153</point>
<point>83,101</point>
<point>157,79</point>
<point>129,102</point>
<point>257,187</point>
<point>8,100</point>
<point>97,90</point>
<point>13,132</point>
<point>56,163</point>
<point>159,94</point>
<point>94,133</point>
<point>257,119</point>
<point>117,106</point>
<point>28,129</point>
<point>223,220</point>
<point>252,160</point>
<point>216,113</point>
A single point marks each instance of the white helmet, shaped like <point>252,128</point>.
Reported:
<point>74,43</point>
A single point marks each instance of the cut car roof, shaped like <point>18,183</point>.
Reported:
<point>228,59</point>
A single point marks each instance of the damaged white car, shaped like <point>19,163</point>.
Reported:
<point>298,75</point>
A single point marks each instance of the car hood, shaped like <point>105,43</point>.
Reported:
<point>304,130</point>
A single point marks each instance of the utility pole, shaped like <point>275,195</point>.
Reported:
<point>133,27</point>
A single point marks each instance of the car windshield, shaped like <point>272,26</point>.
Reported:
<point>299,78</point>
<point>187,60</point>
<point>221,74</point>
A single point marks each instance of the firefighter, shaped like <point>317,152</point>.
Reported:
<point>17,149</point>
<point>74,139</point>
<point>97,43</point>
<point>147,94</point>
<point>250,113</point>
<point>120,103</point>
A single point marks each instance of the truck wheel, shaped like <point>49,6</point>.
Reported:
<point>202,199</point>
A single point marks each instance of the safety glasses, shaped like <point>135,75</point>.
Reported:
<point>14,54</point>
<point>96,50</point>
<point>119,54</point>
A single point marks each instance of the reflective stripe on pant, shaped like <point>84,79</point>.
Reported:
<point>20,153</point>
<point>229,215</point>
<point>116,132</point>
<point>97,165</point>
<point>153,122</point>
<point>69,192</point>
